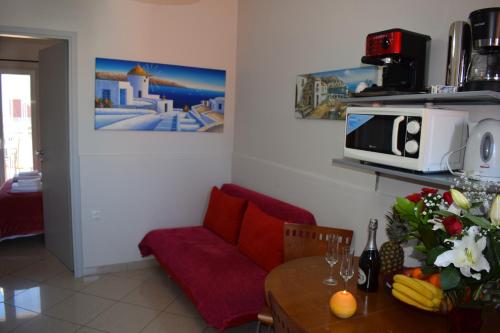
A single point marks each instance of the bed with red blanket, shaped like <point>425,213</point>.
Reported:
<point>21,214</point>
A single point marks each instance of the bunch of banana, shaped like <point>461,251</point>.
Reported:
<point>418,293</point>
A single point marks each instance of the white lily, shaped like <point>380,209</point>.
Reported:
<point>437,224</point>
<point>466,254</point>
<point>495,211</point>
<point>460,199</point>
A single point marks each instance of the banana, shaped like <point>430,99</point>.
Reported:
<point>413,294</point>
<point>432,288</point>
<point>414,284</point>
<point>402,297</point>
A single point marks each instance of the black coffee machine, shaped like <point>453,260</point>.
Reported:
<point>403,56</point>
<point>484,67</point>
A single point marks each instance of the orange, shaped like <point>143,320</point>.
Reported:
<point>435,279</point>
<point>417,273</point>
<point>343,304</point>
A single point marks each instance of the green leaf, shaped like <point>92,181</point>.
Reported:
<point>429,270</point>
<point>420,248</point>
<point>450,278</point>
<point>496,250</point>
<point>434,253</point>
<point>444,213</point>
<point>479,221</point>
<point>428,236</point>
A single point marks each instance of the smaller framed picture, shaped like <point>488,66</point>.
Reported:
<point>317,94</point>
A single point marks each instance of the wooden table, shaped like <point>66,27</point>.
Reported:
<point>298,286</point>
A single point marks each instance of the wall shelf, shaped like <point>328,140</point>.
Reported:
<point>484,97</point>
<point>443,179</point>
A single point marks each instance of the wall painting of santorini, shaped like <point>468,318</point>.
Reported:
<point>142,96</point>
<point>317,94</point>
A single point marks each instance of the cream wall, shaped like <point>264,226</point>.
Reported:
<point>140,180</point>
<point>290,158</point>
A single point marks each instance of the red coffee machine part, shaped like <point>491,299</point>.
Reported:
<point>379,44</point>
<point>403,56</point>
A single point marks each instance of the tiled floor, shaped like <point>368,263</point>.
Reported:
<point>39,295</point>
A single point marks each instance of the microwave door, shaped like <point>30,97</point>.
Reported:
<point>371,132</point>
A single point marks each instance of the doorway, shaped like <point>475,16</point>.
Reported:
<point>17,126</point>
<point>70,228</point>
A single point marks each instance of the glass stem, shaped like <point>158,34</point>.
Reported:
<point>345,284</point>
<point>331,272</point>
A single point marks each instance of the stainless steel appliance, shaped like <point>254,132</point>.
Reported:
<point>484,72</point>
<point>482,155</point>
<point>459,49</point>
<point>414,139</point>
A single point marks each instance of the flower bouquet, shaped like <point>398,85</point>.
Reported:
<point>458,235</point>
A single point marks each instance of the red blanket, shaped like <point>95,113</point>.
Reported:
<point>21,214</point>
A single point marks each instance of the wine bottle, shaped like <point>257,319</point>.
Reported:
<point>369,261</point>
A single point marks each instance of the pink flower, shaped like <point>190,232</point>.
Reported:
<point>452,225</point>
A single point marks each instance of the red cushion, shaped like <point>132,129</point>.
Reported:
<point>261,238</point>
<point>274,207</point>
<point>224,215</point>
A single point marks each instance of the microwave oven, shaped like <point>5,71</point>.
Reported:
<point>417,139</point>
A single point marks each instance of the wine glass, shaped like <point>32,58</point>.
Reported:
<point>331,257</point>
<point>347,265</point>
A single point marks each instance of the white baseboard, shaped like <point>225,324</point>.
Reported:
<point>127,266</point>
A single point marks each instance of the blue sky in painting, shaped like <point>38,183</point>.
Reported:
<point>192,77</point>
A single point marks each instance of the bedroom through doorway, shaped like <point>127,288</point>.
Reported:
<point>35,185</point>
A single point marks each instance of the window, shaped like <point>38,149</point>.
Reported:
<point>106,94</point>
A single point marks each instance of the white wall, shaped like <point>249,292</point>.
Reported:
<point>140,180</point>
<point>290,158</point>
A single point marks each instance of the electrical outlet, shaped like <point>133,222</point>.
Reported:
<point>96,215</point>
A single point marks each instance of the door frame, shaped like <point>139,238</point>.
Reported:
<point>74,161</point>
<point>32,71</point>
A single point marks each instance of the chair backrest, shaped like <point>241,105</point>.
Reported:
<point>308,240</point>
<point>282,322</point>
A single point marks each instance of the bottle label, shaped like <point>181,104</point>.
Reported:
<point>361,277</point>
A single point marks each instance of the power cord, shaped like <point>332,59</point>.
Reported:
<point>447,159</point>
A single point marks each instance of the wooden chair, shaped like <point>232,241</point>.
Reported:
<point>303,240</point>
<point>282,322</point>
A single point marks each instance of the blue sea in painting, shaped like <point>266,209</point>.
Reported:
<point>184,96</point>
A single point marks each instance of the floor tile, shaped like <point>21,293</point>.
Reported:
<point>11,264</point>
<point>245,328</point>
<point>16,283</point>
<point>67,280</point>
<point>12,285</point>
<point>123,318</point>
<point>79,308</point>
<point>183,306</point>
<point>12,317</point>
<point>42,270</point>
<point>154,295</point>
<point>40,298</point>
<point>43,324</point>
<point>142,274</point>
<point>88,330</point>
<point>112,287</point>
<point>168,322</point>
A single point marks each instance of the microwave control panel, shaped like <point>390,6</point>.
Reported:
<point>409,139</point>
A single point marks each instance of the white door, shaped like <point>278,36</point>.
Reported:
<point>54,126</point>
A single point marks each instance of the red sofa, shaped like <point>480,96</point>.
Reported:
<point>226,286</point>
